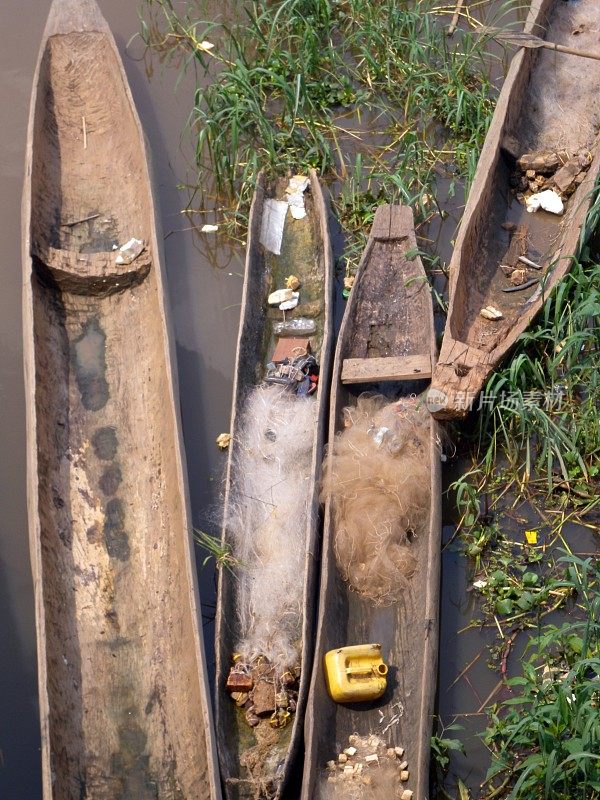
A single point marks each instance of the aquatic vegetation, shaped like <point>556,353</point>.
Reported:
<point>217,549</point>
<point>544,739</point>
<point>374,95</point>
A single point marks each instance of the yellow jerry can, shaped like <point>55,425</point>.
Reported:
<point>356,673</point>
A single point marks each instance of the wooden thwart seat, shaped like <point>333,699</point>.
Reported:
<point>91,273</point>
<point>372,370</point>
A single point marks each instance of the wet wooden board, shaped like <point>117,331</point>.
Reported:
<point>124,704</point>
<point>475,278</point>
<point>391,297</point>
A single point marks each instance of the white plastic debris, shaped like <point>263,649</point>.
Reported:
<point>273,221</point>
<point>548,200</point>
<point>295,190</point>
<point>490,312</point>
<point>129,251</point>
<point>379,435</point>
<point>281,296</point>
<point>205,45</point>
<point>399,751</point>
<point>293,327</point>
<point>406,795</point>
<point>479,584</point>
<point>287,305</point>
<point>342,758</point>
<point>209,228</point>
<point>372,759</point>
<point>350,751</point>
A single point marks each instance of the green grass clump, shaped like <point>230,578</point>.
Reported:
<point>545,739</point>
<point>374,95</point>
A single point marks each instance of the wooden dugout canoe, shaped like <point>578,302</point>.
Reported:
<point>387,335</point>
<point>472,346</point>
<point>124,705</point>
<point>305,252</point>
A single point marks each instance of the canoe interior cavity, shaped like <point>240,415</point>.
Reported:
<point>124,696</point>
<point>270,513</point>
<point>549,143</point>
<point>381,542</point>
<point>89,179</point>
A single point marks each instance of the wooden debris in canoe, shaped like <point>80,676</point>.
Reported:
<point>263,696</point>
<point>290,348</point>
<point>566,178</point>
<point>544,162</point>
<point>518,277</point>
<point>399,368</point>
<point>517,247</point>
<point>239,681</point>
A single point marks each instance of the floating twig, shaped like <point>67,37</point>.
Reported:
<point>490,696</point>
<point>84,133</point>
<point>454,22</point>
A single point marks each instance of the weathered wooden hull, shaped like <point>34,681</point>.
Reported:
<point>390,295</point>
<point>124,703</point>
<point>472,347</point>
<point>233,734</point>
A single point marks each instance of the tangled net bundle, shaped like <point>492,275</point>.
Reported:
<point>378,481</point>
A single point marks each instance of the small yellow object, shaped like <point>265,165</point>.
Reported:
<point>224,440</point>
<point>348,281</point>
<point>292,282</point>
<point>531,536</point>
<point>355,673</point>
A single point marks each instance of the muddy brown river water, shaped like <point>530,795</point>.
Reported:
<point>204,281</point>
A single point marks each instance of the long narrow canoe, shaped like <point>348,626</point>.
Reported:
<point>538,95</point>
<point>386,345</point>
<point>124,704</point>
<point>258,751</point>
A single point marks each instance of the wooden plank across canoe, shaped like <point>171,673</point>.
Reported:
<point>389,317</point>
<point>124,703</point>
<point>494,218</point>
<point>262,761</point>
<point>372,370</point>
